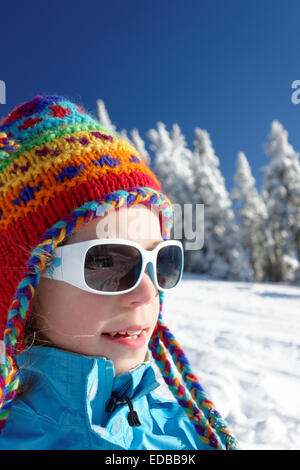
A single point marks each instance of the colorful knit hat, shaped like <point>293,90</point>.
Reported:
<point>59,168</point>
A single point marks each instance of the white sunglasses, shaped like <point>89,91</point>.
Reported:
<point>116,266</point>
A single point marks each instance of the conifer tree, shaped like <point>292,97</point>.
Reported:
<point>251,217</point>
<point>281,191</point>
<point>172,167</point>
<point>222,254</point>
<point>135,140</point>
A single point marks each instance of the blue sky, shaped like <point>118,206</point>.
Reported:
<point>223,65</point>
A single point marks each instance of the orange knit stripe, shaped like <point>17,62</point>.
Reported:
<point>13,212</point>
<point>91,171</point>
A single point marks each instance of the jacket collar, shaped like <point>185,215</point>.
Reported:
<point>79,384</point>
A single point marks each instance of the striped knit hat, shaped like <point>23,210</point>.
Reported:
<point>59,168</point>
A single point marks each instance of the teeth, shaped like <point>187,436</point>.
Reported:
<point>132,334</point>
<point>132,337</point>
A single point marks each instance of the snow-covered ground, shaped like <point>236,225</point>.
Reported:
<point>243,342</point>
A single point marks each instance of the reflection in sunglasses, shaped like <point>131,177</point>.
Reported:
<point>117,271</point>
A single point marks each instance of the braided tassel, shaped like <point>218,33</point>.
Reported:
<point>9,381</point>
<point>196,390</point>
<point>202,426</point>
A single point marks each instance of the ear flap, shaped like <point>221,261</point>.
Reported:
<point>7,146</point>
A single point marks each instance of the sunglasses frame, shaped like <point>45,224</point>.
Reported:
<point>69,261</point>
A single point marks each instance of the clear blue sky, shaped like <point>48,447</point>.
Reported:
<point>222,65</point>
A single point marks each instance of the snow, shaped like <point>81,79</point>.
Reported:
<point>243,343</point>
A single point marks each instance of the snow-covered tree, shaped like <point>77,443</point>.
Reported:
<point>136,139</point>
<point>172,162</point>
<point>222,254</point>
<point>139,144</point>
<point>172,167</point>
<point>281,192</point>
<point>103,116</point>
<point>251,216</point>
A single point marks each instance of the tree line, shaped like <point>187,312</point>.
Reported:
<point>248,236</point>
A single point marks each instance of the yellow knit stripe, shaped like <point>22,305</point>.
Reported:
<point>50,186</point>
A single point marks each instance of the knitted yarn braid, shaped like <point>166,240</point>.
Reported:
<point>224,436</point>
<point>202,426</point>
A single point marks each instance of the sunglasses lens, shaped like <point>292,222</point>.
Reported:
<point>112,268</point>
<point>169,262</point>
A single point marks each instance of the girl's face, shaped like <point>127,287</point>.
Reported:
<point>78,321</point>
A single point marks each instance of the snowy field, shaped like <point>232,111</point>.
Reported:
<point>243,342</point>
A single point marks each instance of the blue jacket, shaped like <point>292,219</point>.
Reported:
<point>66,407</point>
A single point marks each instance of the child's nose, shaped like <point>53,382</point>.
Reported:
<point>143,293</point>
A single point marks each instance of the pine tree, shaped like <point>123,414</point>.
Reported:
<point>222,254</point>
<point>281,191</point>
<point>172,162</point>
<point>251,217</point>
<point>139,144</point>
<point>103,116</point>
<point>172,167</point>
<point>136,140</point>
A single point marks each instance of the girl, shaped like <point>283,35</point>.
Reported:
<point>85,261</point>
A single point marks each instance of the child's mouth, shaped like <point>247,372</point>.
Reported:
<point>125,334</point>
<point>133,339</point>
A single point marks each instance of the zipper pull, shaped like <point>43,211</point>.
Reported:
<point>111,403</point>
<point>114,401</point>
<point>133,419</point>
